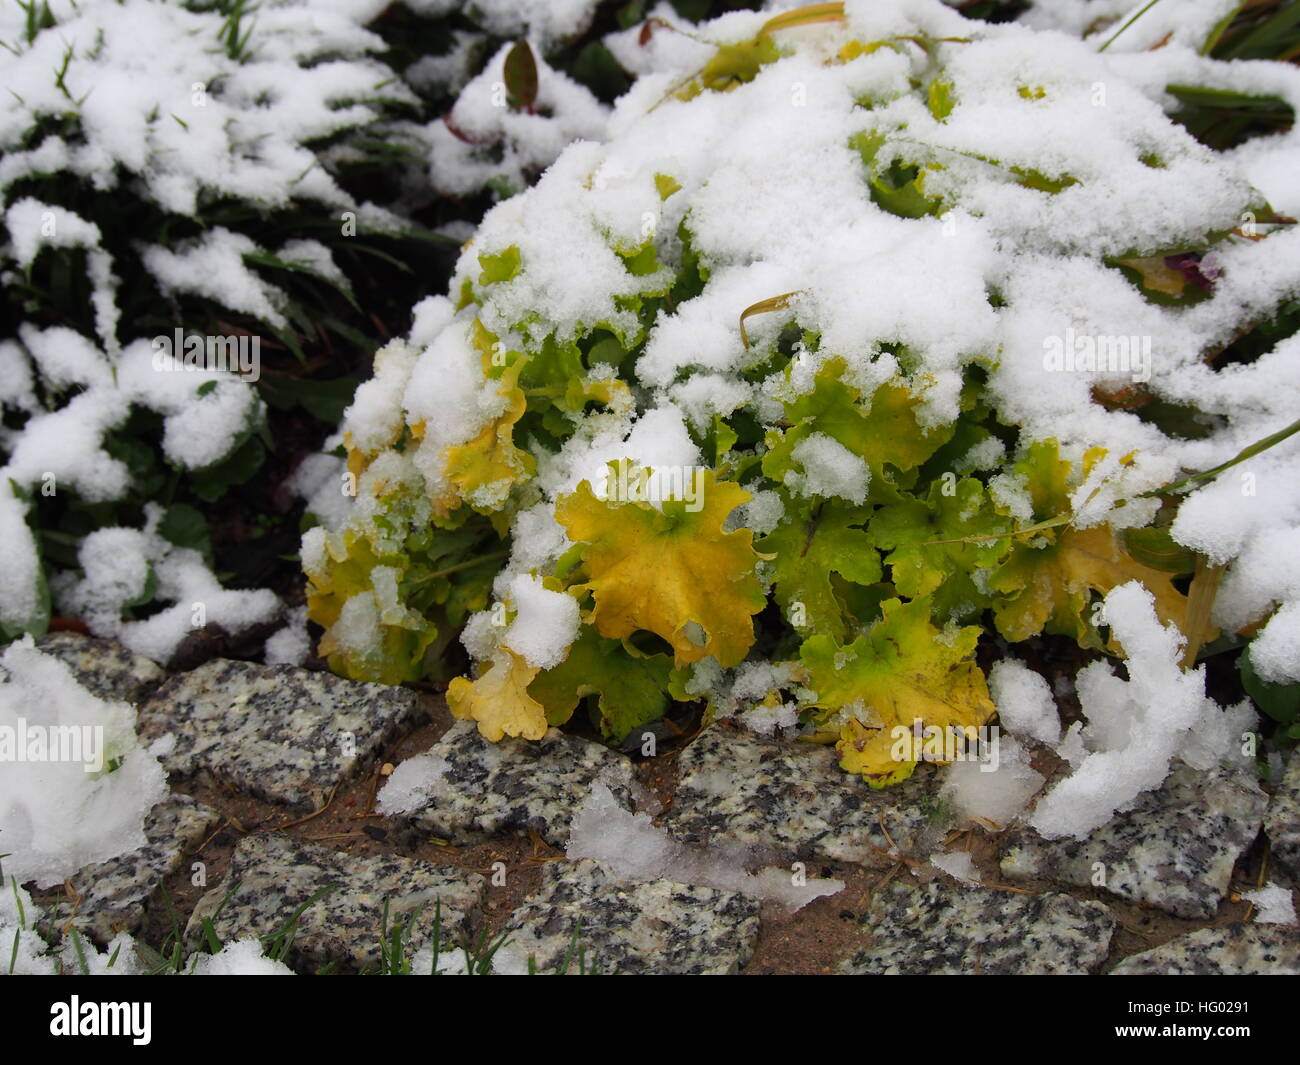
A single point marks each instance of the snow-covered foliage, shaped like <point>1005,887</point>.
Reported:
<point>179,191</point>
<point>889,315</point>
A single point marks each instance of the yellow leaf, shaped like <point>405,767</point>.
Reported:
<point>1157,275</point>
<point>673,572</point>
<point>869,753</point>
<point>902,674</point>
<point>484,469</point>
<point>499,700</point>
<point>1050,584</point>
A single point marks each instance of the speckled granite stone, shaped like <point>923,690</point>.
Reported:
<point>272,875</point>
<point>1174,849</point>
<point>790,798</point>
<point>1282,822</point>
<point>111,897</point>
<point>656,928</point>
<point>488,789</point>
<point>945,929</point>
<point>1233,950</point>
<point>104,667</point>
<point>279,733</point>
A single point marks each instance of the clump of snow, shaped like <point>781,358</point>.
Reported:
<point>291,645</point>
<point>1024,701</point>
<point>829,469</point>
<point>1274,904</point>
<point>1136,727</point>
<point>545,624</point>
<point>634,849</point>
<point>411,784</point>
<point>319,480</point>
<point>239,957</point>
<point>25,953</point>
<point>118,958</point>
<point>455,962</point>
<point>957,864</point>
<point>20,577</point>
<point>765,718</point>
<point>997,789</point>
<point>76,786</point>
<point>213,266</point>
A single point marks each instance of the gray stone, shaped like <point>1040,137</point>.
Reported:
<point>111,897</point>
<point>271,876</point>
<point>1175,849</point>
<point>278,733</point>
<point>1232,950</point>
<point>104,667</point>
<point>792,799</point>
<point>654,928</point>
<point>1282,822</point>
<point>946,929</point>
<point>487,789</point>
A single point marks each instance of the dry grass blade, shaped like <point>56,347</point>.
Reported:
<point>774,303</point>
<point>805,16</point>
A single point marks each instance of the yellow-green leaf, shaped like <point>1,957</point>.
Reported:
<point>671,571</point>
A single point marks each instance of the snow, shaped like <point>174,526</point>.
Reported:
<point>551,21</point>
<point>1273,904</point>
<point>213,266</point>
<point>319,481</point>
<point>240,957</point>
<point>635,850</point>
<point>545,624</point>
<point>34,225</point>
<point>766,719</point>
<point>64,357</point>
<point>1136,727</point>
<point>1275,652</point>
<point>957,864</point>
<point>1000,795</point>
<point>291,645</point>
<point>20,600</point>
<point>829,469</point>
<point>25,952</point>
<point>411,784</point>
<point>61,815</point>
<point>1024,701</point>
<point>483,138</point>
<point>114,560</point>
<point>118,958</point>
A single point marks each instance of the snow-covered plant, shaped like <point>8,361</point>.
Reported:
<point>870,331</point>
<point>191,171</point>
<point>171,175</point>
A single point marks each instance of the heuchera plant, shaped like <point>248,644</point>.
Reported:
<point>846,350</point>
